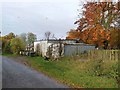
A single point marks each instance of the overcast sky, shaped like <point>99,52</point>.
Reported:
<point>39,16</point>
<point>57,16</point>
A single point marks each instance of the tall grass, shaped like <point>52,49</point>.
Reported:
<point>79,73</point>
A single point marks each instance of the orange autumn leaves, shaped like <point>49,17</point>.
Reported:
<point>73,34</point>
<point>91,35</point>
<point>96,23</point>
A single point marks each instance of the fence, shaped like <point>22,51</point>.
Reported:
<point>104,54</point>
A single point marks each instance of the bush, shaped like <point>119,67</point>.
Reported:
<point>17,45</point>
<point>6,46</point>
<point>103,68</point>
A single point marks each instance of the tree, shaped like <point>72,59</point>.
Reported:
<point>53,36</point>
<point>6,42</point>
<point>6,46</point>
<point>23,36</point>
<point>10,36</point>
<point>115,39</point>
<point>99,18</point>
<point>16,45</point>
<point>73,34</point>
<point>31,38</point>
<point>47,35</point>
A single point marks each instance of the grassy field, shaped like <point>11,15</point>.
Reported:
<point>75,73</point>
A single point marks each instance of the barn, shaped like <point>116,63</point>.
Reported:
<point>62,47</point>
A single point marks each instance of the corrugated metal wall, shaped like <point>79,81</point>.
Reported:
<point>76,49</point>
<point>68,49</point>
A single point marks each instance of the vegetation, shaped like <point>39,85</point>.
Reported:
<point>12,43</point>
<point>49,35</point>
<point>6,42</point>
<point>98,25</point>
<point>23,36</point>
<point>16,45</point>
<point>31,38</point>
<point>76,73</point>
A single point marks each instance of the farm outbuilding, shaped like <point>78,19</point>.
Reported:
<point>62,47</point>
<point>77,49</point>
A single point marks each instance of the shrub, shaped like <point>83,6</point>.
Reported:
<point>103,68</point>
<point>16,45</point>
<point>6,46</point>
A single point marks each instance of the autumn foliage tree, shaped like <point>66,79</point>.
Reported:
<point>6,42</point>
<point>97,24</point>
<point>12,44</point>
<point>17,44</point>
<point>73,34</point>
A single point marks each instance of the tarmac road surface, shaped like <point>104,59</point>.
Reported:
<point>16,75</point>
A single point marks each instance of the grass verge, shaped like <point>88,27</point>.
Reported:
<point>71,72</point>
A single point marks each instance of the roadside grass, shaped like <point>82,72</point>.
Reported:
<point>73,72</point>
<point>8,54</point>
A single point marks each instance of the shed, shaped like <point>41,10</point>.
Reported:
<point>77,48</point>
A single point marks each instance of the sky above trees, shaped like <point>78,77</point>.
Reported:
<point>39,16</point>
<point>56,16</point>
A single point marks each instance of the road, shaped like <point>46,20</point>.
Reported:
<point>16,75</point>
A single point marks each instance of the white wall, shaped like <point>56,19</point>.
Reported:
<point>43,47</point>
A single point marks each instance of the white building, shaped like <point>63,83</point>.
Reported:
<point>45,44</point>
<point>57,48</point>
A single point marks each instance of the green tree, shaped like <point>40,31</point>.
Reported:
<point>23,36</point>
<point>31,38</point>
<point>16,45</point>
